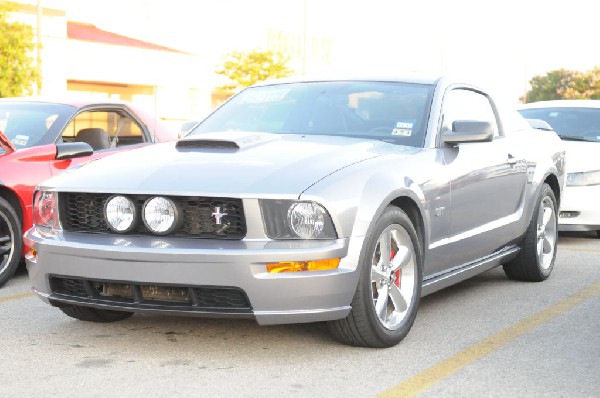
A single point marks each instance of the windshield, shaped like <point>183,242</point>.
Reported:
<point>392,112</point>
<point>27,124</point>
<point>570,123</point>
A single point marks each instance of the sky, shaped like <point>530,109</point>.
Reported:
<point>497,44</point>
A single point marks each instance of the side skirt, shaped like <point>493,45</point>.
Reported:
<point>458,274</point>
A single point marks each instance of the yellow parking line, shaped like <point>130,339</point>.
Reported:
<point>577,249</point>
<point>441,370</point>
<point>15,297</point>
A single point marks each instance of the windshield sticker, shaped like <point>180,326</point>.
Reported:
<point>260,96</point>
<point>405,125</point>
<point>20,140</point>
<point>403,128</point>
<point>402,132</point>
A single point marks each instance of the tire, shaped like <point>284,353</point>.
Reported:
<point>535,261</point>
<point>90,314</point>
<point>387,297</point>
<point>11,241</point>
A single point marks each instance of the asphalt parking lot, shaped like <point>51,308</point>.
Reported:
<point>485,337</point>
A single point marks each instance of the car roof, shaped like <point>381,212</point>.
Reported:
<point>76,102</point>
<point>562,104</point>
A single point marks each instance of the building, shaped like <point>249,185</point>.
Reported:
<point>80,59</point>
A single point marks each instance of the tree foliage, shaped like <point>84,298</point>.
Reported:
<point>17,69</point>
<point>243,69</point>
<point>565,84</point>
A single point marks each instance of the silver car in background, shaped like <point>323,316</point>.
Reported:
<point>303,201</point>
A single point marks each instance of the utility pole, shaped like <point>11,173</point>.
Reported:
<point>304,38</point>
<point>39,47</point>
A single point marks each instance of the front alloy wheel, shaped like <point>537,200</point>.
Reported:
<point>393,276</point>
<point>387,297</point>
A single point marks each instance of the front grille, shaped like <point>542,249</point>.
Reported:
<point>84,212</point>
<point>188,298</point>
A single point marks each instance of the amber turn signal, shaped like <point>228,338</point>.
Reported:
<point>297,266</point>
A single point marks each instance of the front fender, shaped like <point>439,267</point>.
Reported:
<point>357,195</point>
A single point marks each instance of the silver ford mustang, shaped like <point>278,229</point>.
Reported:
<point>306,200</point>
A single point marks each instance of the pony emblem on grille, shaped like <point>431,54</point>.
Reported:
<point>218,216</point>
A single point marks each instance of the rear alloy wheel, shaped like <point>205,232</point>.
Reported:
<point>94,314</point>
<point>538,252</point>
<point>388,293</point>
<point>11,241</point>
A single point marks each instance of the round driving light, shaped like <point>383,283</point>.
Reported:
<point>120,214</point>
<point>307,219</point>
<point>160,215</point>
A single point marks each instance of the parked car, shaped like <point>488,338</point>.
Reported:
<point>302,201</point>
<point>41,138</point>
<point>577,122</point>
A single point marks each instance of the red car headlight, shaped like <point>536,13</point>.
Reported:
<point>45,210</point>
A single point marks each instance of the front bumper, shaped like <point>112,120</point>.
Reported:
<point>150,262</point>
<point>580,209</point>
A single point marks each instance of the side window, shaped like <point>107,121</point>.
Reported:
<point>103,130</point>
<point>461,104</point>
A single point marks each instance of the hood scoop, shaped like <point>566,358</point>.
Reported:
<point>225,140</point>
<point>207,144</point>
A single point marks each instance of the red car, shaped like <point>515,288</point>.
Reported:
<point>40,138</point>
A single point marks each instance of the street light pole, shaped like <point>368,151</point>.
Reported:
<point>304,39</point>
<point>39,48</point>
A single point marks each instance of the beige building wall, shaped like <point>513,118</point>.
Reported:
<point>169,83</point>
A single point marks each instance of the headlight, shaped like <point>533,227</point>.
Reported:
<point>583,179</point>
<point>307,219</point>
<point>160,215</point>
<point>120,214</point>
<point>288,219</point>
<point>45,209</point>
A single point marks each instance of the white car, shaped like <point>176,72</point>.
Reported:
<point>577,122</point>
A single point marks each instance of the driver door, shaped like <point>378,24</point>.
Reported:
<point>487,182</point>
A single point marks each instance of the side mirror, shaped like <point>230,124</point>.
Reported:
<point>469,131</point>
<point>540,124</point>
<point>69,150</point>
<point>6,144</point>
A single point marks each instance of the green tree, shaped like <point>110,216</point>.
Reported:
<point>17,69</point>
<point>564,84</point>
<point>585,85</point>
<point>243,69</point>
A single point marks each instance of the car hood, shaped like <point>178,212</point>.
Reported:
<point>582,156</point>
<point>224,164</point>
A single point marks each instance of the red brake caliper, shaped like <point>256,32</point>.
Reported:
<point>398,272</point>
